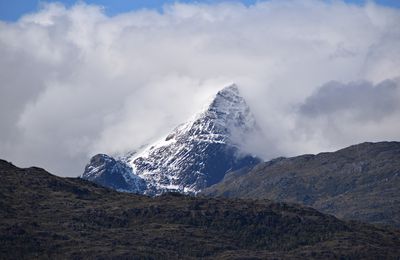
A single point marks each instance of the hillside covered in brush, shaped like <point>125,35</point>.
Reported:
<point>44,216</point>
<point>360,182</point>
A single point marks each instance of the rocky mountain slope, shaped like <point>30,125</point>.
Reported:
<point>107,171</point>
<point>195,155</point>
<point>48,217</point>
<point>361,182</point>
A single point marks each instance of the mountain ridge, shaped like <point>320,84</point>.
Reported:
<point>358,182</point>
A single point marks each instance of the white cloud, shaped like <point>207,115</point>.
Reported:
<point>75,82</point>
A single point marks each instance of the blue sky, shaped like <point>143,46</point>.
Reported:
<point>11,10</point>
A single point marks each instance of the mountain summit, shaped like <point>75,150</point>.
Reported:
<point>195,155</point>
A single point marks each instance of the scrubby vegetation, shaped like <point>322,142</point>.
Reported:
<point>50,217</point>
<point>360,182</point>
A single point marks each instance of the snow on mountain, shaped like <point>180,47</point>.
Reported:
<point>114,174</point>
<point>196,154</point>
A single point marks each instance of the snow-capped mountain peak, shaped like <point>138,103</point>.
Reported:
<point>199,152</point>
<point>230,111</point>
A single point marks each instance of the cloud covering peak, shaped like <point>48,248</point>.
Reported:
<point>75,82</point>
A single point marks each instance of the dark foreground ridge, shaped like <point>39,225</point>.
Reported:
<point>360,182</point>
<point>44,216</point>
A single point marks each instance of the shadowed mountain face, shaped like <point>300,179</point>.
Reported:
<point>193,156</point>
<point>114,174</point>
<point>360,182</point>
<point>44,216</point>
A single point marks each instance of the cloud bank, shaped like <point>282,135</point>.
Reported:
<point>318,75</point>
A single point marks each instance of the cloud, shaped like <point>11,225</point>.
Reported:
<point>339,114</point>
<point>361,100</point>
<point>75,82</point>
